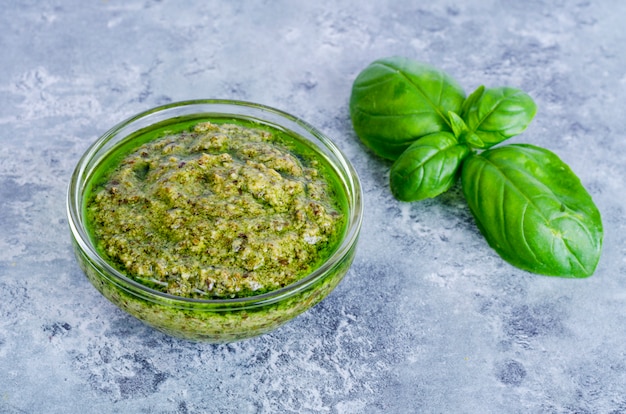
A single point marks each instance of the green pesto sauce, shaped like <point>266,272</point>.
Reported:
<point>211,209</point>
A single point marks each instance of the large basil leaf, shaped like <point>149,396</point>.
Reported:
<point>396,101</point>
<point>533,210</point>
<point>427,168</point>
<point>496,114</point>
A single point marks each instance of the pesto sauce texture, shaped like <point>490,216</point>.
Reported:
<point>216,210</point>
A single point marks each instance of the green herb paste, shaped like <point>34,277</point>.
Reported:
<point>217,211</point>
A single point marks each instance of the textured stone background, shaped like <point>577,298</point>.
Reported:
<point>428,319</point>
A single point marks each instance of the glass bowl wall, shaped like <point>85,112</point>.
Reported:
<point>214,320</point>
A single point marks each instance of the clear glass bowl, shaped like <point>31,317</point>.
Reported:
<point>214,320</point>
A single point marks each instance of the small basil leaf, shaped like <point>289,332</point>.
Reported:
<point>471,100</point>
<point>462,132</point>
<point>429,167</point>
<point>533,210</point>
<point>395,101</point>
<point>498,113</point>
<point>473,140</point>
<point>458,125</point>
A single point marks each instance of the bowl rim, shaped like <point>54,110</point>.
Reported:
<point>344,169</point>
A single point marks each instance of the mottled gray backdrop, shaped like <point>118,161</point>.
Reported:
<point>429,319</point>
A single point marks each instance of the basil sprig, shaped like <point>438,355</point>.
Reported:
<point>528,204</point>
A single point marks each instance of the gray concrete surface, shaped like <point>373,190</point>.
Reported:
<point>429,319</point>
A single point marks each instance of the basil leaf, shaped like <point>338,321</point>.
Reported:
<point>427,168</point>
<point>462,132</point>
<point>459,128</point>
<point>533,210</point>
<point>395,101</point>
<point>496,114</point>
<point>472,98</point>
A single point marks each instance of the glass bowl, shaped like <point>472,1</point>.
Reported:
<point>212,320</point>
